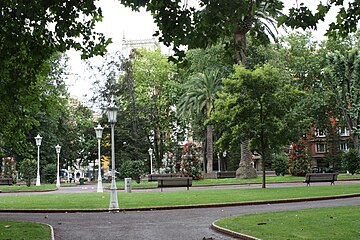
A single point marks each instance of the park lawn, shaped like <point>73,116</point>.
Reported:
<point>12,188</point>
<point>11,230</point>
<point>223,181</point>
<point>161,199</point>
<point>319,223</point>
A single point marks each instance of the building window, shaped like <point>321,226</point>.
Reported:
<point>344,132</point>
<point>321,147</point>
<point>320,132</point>
<point>344,147</point>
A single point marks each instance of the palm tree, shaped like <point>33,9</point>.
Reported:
<point>198,100</point>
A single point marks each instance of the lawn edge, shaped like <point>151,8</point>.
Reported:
<point>232,233</point>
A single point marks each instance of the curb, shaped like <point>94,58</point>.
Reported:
<point>51,231</point>
<point>160,208</point>
<point>232,233</point>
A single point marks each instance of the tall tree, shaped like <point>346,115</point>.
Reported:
<point>257,105</point>
<point>343,72</point>
<point>199,99</point>
<point>31,33</point>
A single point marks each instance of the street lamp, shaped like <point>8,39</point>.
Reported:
<point>58,148</point>
<point>112,112</point>
<point>151,165</point>
<point>38,144</point>
<point>98,131</point>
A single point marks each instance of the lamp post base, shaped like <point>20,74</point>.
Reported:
<point>38,181</point>
<point>113,195</point>
<point>100,186</point>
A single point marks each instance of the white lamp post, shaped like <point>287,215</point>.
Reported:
<point>151,165</point>
<point>38,144</point>
<point>58,148</point>
<point>98,131</point>
<point>224,155</point>
<point>112,112</point>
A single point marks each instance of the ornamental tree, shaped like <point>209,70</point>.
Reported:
<point>190,165</point>
<point>299,159</point>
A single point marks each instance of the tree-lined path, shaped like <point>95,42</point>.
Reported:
<point>169,224</point>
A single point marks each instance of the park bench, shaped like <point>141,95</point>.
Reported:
<point>175,182</point>
<point>155,177</point>
<point>6,181</point>
<point>226,174</point>
<point>320,177</point>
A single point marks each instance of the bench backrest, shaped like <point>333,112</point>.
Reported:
<point>321,177</point>
<point>173,182</point>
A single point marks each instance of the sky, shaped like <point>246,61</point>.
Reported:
<point>120,21</point>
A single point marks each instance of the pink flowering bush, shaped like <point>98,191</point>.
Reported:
<point>299,160</point>
<point>190,165</point>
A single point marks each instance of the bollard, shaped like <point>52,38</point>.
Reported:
<point>128,185</point>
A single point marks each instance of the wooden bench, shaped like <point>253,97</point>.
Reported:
<point>321,177</point>
<point>226,174</point>
<point>175,182</point>
<point>155,177</point>
<point>6,181</point>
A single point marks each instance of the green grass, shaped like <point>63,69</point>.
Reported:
<point>202,182</point>
<point>43,187</point>
<point>153,199</point>
<point>11,230</point>
<point>320,223</point>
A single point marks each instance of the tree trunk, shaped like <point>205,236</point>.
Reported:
<point>209,148</point>
<point>245,170</point>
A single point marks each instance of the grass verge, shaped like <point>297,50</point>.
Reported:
<point>178,198</point>
<point>24,230</point>
<point>320,223</point>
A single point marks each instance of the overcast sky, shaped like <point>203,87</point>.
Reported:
<point>120,21</point>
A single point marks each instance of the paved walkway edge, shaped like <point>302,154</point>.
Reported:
<point>232,233</point>
<point>213,205</point>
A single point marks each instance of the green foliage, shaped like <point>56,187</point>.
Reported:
<point>132,169</point>
<point>31,34</point>
<point>351,161</point>
<point>347,17</point>
<point>28,168</point>
<point>343,74</point>
<point>190,165</point>
<point>49,172</point>
<point>215,21</point>
<point>258,105</point>
<point>280,164</point>
<point>299,159</point>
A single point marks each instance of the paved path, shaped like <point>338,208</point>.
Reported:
<point>189,224</point>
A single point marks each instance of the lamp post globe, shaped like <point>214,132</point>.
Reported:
<point>58,148</point>
<point>99,131</point>
<point>38,140</point>
<point>112,113</point>
<point>151,154</point>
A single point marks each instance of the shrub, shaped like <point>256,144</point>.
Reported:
<point>299,160</point>
<point>28,168</point>
<point>351,161</point>
<point>190,165</point>
<point>169,163</point>
<point>49,172</point>
<point>280,164</point>
<point>132,169</point>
